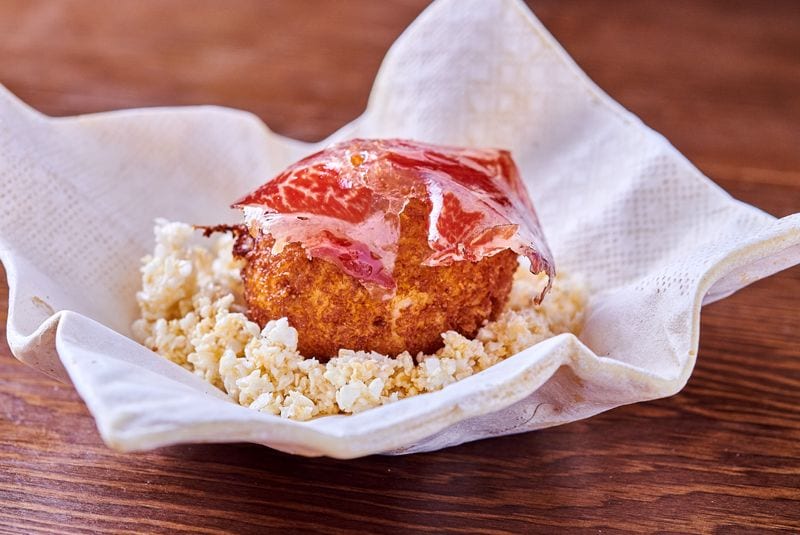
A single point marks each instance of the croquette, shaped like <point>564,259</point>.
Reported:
<point>332,310</point>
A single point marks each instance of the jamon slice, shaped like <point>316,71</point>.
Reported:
<point>343,205</point>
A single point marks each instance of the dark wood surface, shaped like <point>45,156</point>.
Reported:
<point>719,79</point>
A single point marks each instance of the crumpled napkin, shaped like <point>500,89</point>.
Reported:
<point>653,237</point>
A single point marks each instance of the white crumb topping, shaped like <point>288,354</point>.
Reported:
<point>192,314</point>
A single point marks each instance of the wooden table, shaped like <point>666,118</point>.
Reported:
<point>719,79</point>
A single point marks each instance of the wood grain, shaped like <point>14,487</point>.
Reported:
<point>721,79</point>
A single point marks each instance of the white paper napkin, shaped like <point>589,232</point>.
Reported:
<point>654,238</point>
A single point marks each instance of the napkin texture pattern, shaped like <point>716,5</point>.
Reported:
<point>653,238</point>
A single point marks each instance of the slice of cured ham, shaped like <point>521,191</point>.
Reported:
<point>342,205</point>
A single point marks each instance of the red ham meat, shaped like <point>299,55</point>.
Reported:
<point>343,205</point>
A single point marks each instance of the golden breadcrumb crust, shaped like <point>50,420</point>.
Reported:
<point>332,310</point>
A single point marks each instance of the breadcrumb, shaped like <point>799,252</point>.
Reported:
<point>192,313</point>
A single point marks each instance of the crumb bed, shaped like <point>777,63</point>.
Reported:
<point>192,313</point>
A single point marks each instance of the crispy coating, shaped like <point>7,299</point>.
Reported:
<point>332,310</point>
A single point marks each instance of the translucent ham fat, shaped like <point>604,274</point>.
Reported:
<point>343,205</point>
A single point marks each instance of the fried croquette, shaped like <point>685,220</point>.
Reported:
<point>332,310</point>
